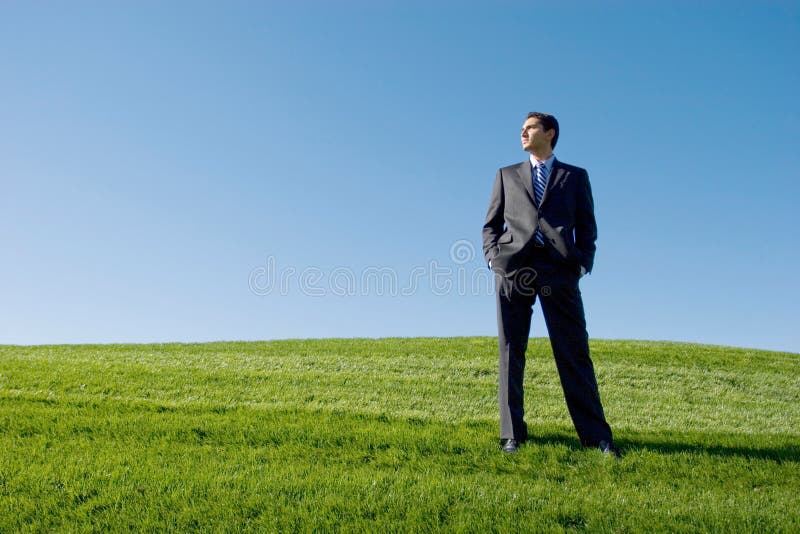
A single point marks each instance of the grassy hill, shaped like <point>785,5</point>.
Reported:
<point>391,434</point>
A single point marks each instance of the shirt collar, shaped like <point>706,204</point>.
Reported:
<point>548,163</point>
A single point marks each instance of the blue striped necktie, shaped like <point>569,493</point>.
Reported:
<point>539,185</point>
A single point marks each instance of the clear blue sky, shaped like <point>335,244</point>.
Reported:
<point>157,157</point>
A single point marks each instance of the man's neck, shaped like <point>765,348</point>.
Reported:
<point>542,156</point>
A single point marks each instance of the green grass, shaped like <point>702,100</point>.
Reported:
<point>391,435</point>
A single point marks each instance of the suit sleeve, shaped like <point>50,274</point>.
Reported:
<point>493,226</point>
<point>585,224</point>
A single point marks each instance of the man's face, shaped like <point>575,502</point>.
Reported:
<point>534,138</point>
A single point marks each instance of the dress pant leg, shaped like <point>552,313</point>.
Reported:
<point>514,310</point>
<point>562,306</point>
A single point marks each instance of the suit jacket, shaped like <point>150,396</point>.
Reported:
<point>565,216</point>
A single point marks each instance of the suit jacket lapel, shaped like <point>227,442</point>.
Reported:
<point>525,174</point>
<point>557,173</point>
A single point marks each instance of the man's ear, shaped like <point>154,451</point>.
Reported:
<point>551,133</point>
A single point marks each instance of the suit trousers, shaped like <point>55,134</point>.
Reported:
<point>557,288</point>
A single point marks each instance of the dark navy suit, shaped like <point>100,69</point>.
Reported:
<point>525,269</point>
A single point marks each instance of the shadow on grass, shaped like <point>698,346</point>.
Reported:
<point>788,452</point>
<point>723,445</point>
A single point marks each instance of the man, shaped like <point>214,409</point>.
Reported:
<point>539,239</point>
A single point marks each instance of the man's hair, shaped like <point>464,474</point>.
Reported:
<point>548,122</point>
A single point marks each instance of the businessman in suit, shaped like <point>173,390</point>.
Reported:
<point>539,239</point>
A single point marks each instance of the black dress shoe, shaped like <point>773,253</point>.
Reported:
<point>607,447</point>
<point>510,446</point>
